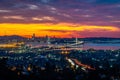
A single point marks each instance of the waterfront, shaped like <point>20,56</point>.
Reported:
<point>88,45</point>
<point>61,59</point>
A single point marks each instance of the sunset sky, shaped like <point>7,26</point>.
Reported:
<point>60,18</point>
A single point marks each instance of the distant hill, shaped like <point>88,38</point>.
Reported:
<point>12,37</point>
<point>101,38</point>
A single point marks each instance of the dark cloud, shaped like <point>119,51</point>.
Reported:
<point>50,30</point>
<point>99,33</point>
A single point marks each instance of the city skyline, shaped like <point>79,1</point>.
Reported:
<point>60,18</point>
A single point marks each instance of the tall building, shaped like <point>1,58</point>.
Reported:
<point>33,36</point>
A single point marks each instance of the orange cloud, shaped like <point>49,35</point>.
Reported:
<point>43,18</point>
<point>13,17</point>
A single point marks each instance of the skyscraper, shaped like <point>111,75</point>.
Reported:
<point>33,36</point>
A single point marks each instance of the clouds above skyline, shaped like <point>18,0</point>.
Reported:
<point>77,12</point>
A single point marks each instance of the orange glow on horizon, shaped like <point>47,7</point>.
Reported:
<point>57,30</point>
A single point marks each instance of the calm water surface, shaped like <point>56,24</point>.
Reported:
<point>104,46</point>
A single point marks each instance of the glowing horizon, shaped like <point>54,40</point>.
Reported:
<point>57,30</point>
